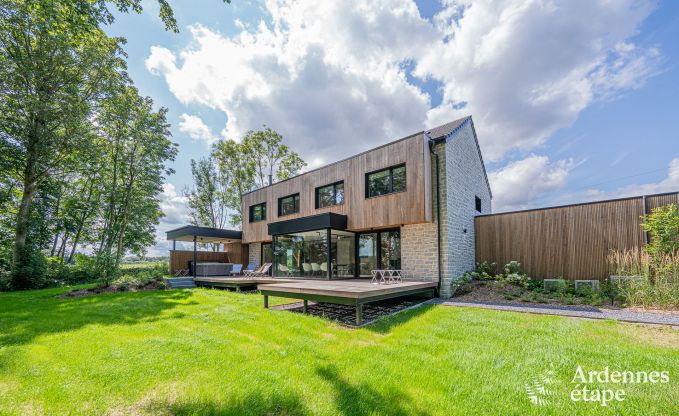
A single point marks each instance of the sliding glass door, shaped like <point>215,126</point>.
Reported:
<point>379,250</point>
<point>367,254</point>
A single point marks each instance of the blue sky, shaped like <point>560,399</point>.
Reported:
<point>572,101</point>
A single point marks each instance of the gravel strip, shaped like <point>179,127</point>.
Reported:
<point>575,311</point>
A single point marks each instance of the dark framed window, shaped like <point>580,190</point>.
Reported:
<point>330,195</point>
<point>258,212</point>
<point>288,205</point>
<point>478,203</point>
<point>385,181</point>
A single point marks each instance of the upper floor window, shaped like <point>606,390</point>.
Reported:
<point>329,195</point>
<point>385,181</point>
<point>478,203</point>
<point>288,205</point>
<point>258,212</point>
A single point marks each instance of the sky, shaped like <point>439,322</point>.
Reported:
<point>572,100</point>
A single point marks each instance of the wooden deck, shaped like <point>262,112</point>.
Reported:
<point>237,282</point>
<point>354,292</point>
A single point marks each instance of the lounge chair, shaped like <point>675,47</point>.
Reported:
<point>251,267</point>
<point>235,271</point>
<point>248,273</point>
<point>261,272</point>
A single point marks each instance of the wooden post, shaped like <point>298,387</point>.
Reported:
<point>266,301</point>
<point>328,258</point>
<point>195,256</point>
<point>306,306</point>
<point>359,313</point>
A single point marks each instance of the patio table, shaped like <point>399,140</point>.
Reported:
<point>386,277</point>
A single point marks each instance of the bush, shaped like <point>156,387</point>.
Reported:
<point>31,272</point>
<point>653,279</point>
<point>142,279</point>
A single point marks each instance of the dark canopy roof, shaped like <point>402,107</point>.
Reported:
<point>314,222</point>
<point>204,234</point>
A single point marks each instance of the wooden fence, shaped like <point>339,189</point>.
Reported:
<point>571,241</point>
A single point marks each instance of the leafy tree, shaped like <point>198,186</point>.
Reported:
<point>208,199</point>
<point>137,145</point>
<point>663,226</point>
<point>246,166</point>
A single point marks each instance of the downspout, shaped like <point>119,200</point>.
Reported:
<point>438,213</point>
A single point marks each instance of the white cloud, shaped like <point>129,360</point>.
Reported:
<point>520,183</point>
<point>333,78</point>
<point>669,184</point>
<point>196,128</point>
<point>527,68</point>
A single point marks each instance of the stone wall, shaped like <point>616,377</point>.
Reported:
<point>255,253</point>
<point>419,251</point>
<point>462,180</point>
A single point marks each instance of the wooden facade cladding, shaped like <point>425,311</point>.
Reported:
<point>409,207</point>
<point>571,242</point>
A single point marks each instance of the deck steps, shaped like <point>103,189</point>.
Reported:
<point>181,282</point>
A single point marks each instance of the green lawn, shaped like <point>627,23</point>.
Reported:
<point>215,352</point>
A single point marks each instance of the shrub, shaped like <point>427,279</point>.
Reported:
<point>663,226</point>
<point>655,278</point>
<point>139,280</point>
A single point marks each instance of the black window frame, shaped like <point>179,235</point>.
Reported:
<point>251,211</point>
<point>477,204</point>
<point>295,204</point>
<point>334,189</point>
<point>390,169</point>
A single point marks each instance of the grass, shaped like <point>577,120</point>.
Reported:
<point>214,352</point>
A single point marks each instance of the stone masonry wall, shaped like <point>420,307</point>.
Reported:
<point>464,180</point>
<point>255,253</point>
<point>419,251</point>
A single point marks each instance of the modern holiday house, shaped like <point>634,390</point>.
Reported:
<point>408,205</point>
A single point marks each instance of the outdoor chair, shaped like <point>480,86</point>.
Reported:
<point>307,268</point>
<point>283,269</point>
<point>324,267</point>
<point>250,273</point>
<point>316,268</point>
<point>262,272</point>
<point>235,271</point>
<point>251,267</point>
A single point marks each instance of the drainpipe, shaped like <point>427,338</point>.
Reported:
<point>438,212</point>
<point>270,180</point>
<point>644,202</point>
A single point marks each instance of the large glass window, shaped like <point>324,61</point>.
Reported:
<point>379,250</point>
<point>385,181</point>
<point>342,253</point>
<point>367,254</point>
<point>390,250</point>
<point>258,212</point>
<point>330,195</point>
<point>288,205</point>
<point>301,254</point>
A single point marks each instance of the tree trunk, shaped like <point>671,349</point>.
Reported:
<point>23,215</point>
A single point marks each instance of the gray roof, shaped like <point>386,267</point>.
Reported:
<point>445,129</point>
<point>204,234</point>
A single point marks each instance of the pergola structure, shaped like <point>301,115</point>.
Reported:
<point>196,234</point>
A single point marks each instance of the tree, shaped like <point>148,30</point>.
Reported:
<point>137,145</point>
<point>53,68</point>
<point>246,166</point>
<point>208,199</point>
<point>663,226</point>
